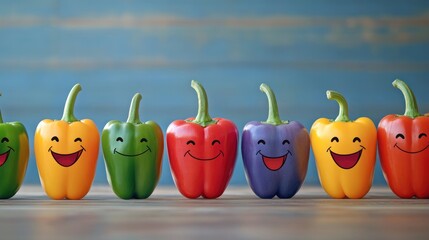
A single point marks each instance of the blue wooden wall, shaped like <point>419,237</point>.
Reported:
<point>300,48</point>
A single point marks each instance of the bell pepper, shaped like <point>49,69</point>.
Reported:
<point>275,153</point>
<point>132,152</point>
<point>14,154</point>
<point>66,153</point>
<point>403,144</point>
<point>202,151</point>
<point>345,152</point>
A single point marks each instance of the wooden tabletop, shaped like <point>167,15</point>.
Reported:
<point>238,214</point>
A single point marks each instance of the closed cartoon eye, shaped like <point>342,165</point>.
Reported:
<point>215,141</point>
<point>261,142</point>
<point>5,139</point>
<point>55,138</point>
<point>143,140</point>
<point>78,140</point>
<point>285,141</point>
<point>190,142</point>
<point>399,135</point>
<point>356,139</point>
<point>422,135</point>
<point>335,139</point>
<point>119,139</point>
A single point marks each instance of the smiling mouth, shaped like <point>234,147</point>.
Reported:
<point>132,155</point>
<point>66,160</point>
<point>4,156</point>
<point>203,159</point>
<point>405,151</point>
<point>346,161</point>
<point>274,163</point>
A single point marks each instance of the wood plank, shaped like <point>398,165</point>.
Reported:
<point>238,214</point>
<point>75,35</point>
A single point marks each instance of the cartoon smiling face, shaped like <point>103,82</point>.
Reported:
<point>14,154</point>
<point>128,140</point>
<point>131,148</point>
<point>420,143</point>
<point>346,160</point>
<point>273,148</point>
<point>344,145</point>
<point>66,144</point>
<point>5,150</point>
<point>195,152</point>
<point>13,142</point>
<point>66,159</point>
<point>274,161</point>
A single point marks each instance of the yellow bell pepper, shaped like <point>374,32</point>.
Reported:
<point>345,152</point>
<point>66,153</point>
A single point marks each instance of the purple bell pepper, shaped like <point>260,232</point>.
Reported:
<point>275,153</point>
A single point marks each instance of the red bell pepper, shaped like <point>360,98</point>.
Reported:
<point>403,145</point>
<point>202,151</point>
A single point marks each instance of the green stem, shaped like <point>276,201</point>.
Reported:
<point>68,115</point>
<point>203,118</point>
<point>411,109</point>
<point>343,114</point>
<point>1,117</point>
<point>133,115</point>
<point>273,109</point>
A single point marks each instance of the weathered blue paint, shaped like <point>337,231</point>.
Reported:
<point>300,49</point>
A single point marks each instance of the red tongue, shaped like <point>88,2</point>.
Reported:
<point>3,157</point>
<point>66,160</point>
<point>274,164</point>
<point>346,161</point>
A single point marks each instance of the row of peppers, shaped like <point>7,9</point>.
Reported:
<point>202,152</point>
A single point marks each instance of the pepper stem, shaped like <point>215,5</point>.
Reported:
<point>343,114</point>
<point>68,114</point>
<point>411,109</point>
<point>273,109</point>
<point>1,118</point>
<point>203,118</point>
<point>133,115</point>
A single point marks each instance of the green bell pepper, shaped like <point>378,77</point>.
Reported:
<point>14,154</point>
<point>132,152</point>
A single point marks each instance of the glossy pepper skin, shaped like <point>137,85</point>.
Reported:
<point>345,152</point>
<point>403,142</point>
<point>14,154</point>
<point>202,151</point>
<point>132,152</point>
<point>275,153</point>
<point>66,153</point>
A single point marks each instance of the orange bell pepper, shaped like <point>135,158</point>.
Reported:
<point>66,153</point>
